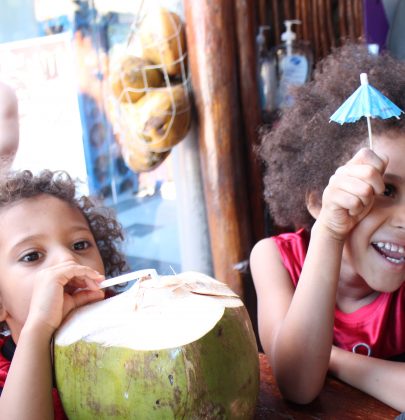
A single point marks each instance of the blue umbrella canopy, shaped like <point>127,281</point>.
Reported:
<point>367,102</point>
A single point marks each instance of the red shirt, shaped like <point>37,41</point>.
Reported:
<point>379,326</point>
<point>7,348</point>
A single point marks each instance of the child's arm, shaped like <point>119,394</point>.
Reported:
<point>9,125</point>
<point>27,393</point>
<point>383,379</point>
<point>296,328</point>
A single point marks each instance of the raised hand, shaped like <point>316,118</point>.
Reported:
<point>59,289</point>
<point>351,191</point>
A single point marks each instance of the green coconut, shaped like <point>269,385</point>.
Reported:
<point>180,347</point>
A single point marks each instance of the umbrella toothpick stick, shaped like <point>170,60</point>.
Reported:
<point>370,134</point>
<point>364,82</point>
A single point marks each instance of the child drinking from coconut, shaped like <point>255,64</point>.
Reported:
<point>54,250</point>
<point>331,292</point>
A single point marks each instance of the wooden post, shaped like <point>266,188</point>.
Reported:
<point>211,37</point>
<point>245,25</point>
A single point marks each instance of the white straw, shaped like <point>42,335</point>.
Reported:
<point>135,275</point>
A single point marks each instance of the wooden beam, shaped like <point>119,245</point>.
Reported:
<point>246,36</point>
<point>213,65</point>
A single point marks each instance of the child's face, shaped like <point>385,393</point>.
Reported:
<point>37,233</point>
<point>375,249</point>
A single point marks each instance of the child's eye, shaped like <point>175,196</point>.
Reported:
<point>79,246</point>
<point>31,256</point>
<point>389,190</point>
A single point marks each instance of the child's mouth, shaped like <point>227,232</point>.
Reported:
<point>392,252</point>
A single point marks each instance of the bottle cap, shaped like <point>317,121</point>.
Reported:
<point>289,36</point>
<point>260,39</point>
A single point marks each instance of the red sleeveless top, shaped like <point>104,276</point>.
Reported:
<point>378,327</point>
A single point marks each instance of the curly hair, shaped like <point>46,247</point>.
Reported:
<point>18,185</point>
<point>304,148</point>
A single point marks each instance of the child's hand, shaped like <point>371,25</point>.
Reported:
<point>351,191</point>
<point>59,289</point>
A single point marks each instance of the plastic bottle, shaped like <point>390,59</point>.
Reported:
<point>294,64</point>
<point>267,73</point>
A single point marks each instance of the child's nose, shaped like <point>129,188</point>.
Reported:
<point>398,216</point>
<point>63,255</point>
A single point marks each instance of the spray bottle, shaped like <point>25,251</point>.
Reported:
<point>294,64</point>
<point>266,73</point>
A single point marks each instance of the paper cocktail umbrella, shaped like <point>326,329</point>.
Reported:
<point>367,102</point>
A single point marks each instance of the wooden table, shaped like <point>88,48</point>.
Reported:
<point>337,401</point>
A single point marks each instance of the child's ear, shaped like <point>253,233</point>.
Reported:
<point>313,204</point>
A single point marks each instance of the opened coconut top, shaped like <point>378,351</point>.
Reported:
<point>153,314</point>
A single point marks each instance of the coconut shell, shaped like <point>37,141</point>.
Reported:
<point>132,77</point>
<point>161,118</point>
<point>179,347</point>
<point>163,40</point>
<point>136,154</point>
<point>139,158</point>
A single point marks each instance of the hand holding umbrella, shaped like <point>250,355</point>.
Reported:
<point>367,102</point>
